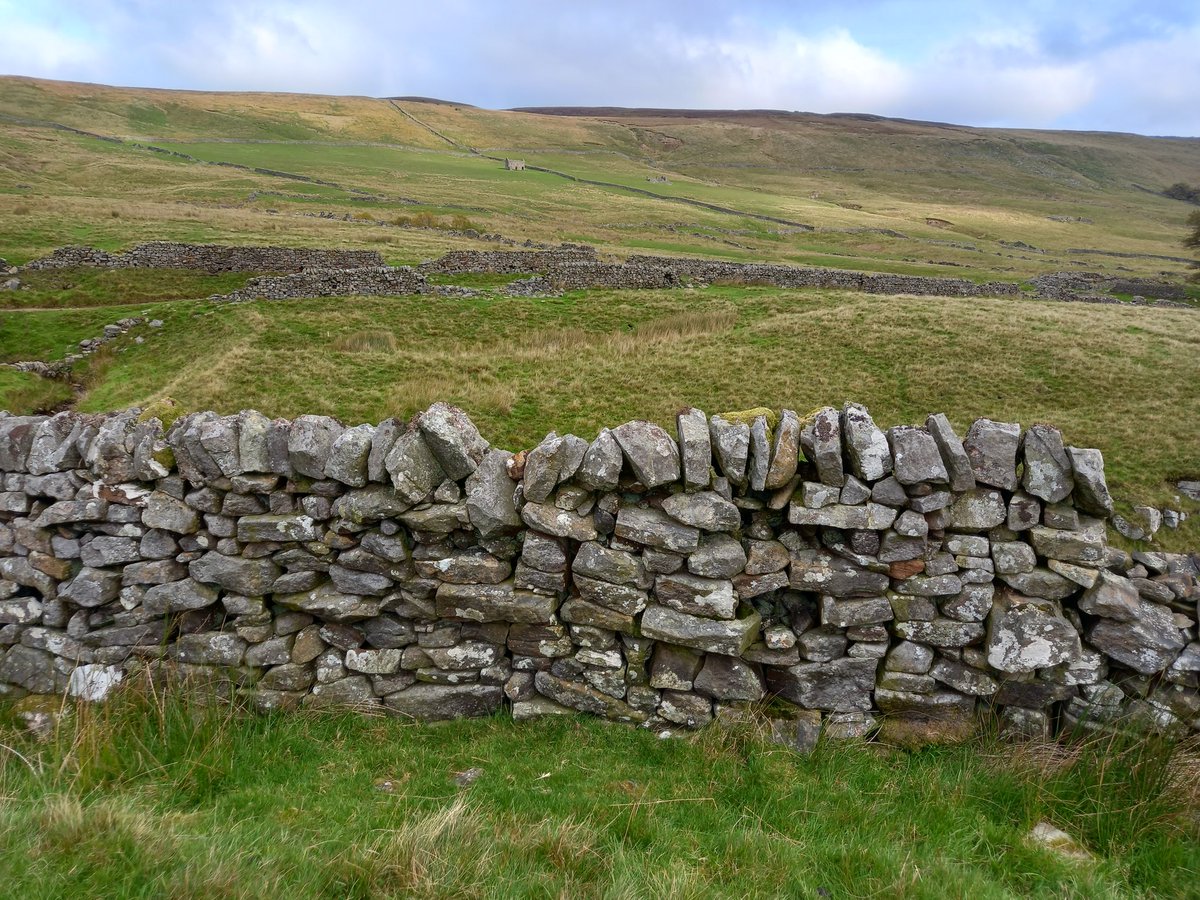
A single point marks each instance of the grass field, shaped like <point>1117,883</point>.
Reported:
<point>156,796</point>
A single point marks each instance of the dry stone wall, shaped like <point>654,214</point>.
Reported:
<point>209,258</point>
<point>579,269</point>
<point>864,579</point>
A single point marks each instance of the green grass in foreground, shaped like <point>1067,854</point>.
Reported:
<point>166,798</point>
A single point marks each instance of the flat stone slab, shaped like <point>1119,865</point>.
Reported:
<point>729,637</point>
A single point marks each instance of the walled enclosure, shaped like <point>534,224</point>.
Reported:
<point>863,578</point>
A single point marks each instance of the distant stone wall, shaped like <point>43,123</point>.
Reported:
<point>581,270</point>
<point>209,258</point>
<point>380,281</point>
<point>900,580</point>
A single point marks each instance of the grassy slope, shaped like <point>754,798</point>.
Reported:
<point>991,185</point>
<point>149,799</point>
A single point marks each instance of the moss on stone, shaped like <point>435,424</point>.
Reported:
<point>166,410</point>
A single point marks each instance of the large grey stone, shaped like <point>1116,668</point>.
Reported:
<point>327,602</point>
<point>586,698</point>
<point>1148,643</point>
<point>1086,546</point>
<point>594,560</point>
<point>653,454</point>
<point>729,637</point>
<point>1025,635</point>
<point>348,456</point>
<point>253,428</point>
<point>1091,489</point>
<point>1112,596</point>
<point>490,504</point>
<point>92,587</point>
<point>438,702</point>
<point>843,685</point>
<point>411,465</point>
<point>710,597</point>
<point>915,456</point>
<point>178,596</point>
<point>564,523</point>
<point>874,516</point>
<point>731,448</point>
<point>1047,466</point>
<point>219,437</point>
<point>695,448</point>
<point>543,466</point>
<point>958,464</point>
<point>623,598</point>
<point>277,528</point>
<point>822,440</point>
<point>655,528</point>
<point>310,442</point>
<point>730,679</point>
<point>785,452</point>
<point>976,510</point>
<point>992,449</point>
<point>494,603</point>
<point>453,439</point>
<point>368,505</point>
<point>600,469</point>
<point>28,668</point>
<point>940,632</point>
<point>248,577</point>
<point>722,556</point>
<point>866,444</point>
<point>707,510</point>
<point>821,572</point>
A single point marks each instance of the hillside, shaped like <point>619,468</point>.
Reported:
<point>857,191</point>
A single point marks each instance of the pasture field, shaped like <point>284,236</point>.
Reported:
<point>156,795</point>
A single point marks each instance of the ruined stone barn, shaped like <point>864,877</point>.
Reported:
<point>514,165</point>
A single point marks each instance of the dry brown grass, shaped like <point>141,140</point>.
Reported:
<point>374,341</point>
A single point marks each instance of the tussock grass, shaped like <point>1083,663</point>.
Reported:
<point>366,342</point>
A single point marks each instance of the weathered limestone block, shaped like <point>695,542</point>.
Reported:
<point>1091,490</point>
<point>785,453</point>
<point>453,440</point>
<point>721,556</point>
<point>821,572</point>
<point>695,448</point>
<point>1028,634</point>
<point>652,453</point>
<point>1047,466</point>
<point>594,560</point>
<point>848,613</point>
<point>586,699</point>
<point>822,442</point>
<point>277,528</point>
<point>543,468</point>
<point>707,510</point>
<point>729,637</point>
<point>490,504</point>
<point>411,465</point>
<point>954,456</point>
<point>976,510</point>
<point>843,685</point>
<point>310,441</point>
<point>915,456</point>
<point>494,603</point>
<point>731,448</point>
<point>348,456</point>
<point>178,596</point>
<point>709,597</point>
<point>620,597</point>
<point>437,702</point>
<point>1084,547</point>
<point>866,445</point>
<point>654,528</point>
<point>327,602</point>
<point>674,668</point>
<point>992,448</point>
<point>89,588</point>
<point>729,679</point>
<point>874,516</point>
<point>940,632</point>
<point>564,523</point>
<point>600,468</point>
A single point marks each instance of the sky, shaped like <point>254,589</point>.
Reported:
<point>1112,65</point>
